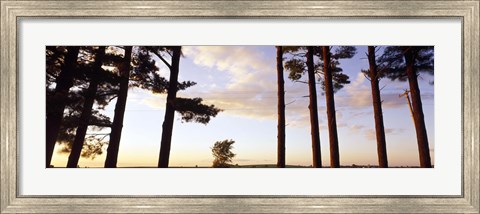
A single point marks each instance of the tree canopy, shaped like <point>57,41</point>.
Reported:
<point>394,62</point>
<point>222,152</point>
<point>296,64</point>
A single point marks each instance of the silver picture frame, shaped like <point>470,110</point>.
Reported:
<point>12,11</point>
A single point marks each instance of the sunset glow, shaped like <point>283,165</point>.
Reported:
<point>242,81</point>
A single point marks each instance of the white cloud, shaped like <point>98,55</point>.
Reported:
<point>246,65</point>
<point>251,79</point>
<point>247,87</point>
<point>251,90</point>
<point>156,101</point>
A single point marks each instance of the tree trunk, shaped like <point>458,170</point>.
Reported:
<point>281,110</point>
<point>167,126</point>
<point>314,129</point>
<point>332,121</point>
<point>63,85</point>
<point>87,110</point>
<point>377,109</point>
<point>117,124</point>
<point>422,139</point>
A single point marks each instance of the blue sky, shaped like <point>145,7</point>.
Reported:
<point>242,81</point>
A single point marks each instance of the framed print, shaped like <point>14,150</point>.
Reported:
<point>160,86</point>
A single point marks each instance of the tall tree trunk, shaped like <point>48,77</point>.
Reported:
<point>314,129</point>
<point>54,118</point>
<point>87,110</point>
<point>422,139</point>
<point>167,126</point>
<point>117,124</point>
<point>332,121</point>
<point>377,109</point>
<point>281,110</point>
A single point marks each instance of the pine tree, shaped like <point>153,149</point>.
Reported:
<point>117,124</point>
<point>281,110</point>
<point>301,62</point>
<point>191,109</point>
<point>331,71</point>
<point>406,63</point>
<point>74,101</point>
<point>95,79</point>
<point>63,84</point>
<point>106,90</point>
<point>374,74</point>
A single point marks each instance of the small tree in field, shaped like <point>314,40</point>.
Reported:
<point>222,151</point>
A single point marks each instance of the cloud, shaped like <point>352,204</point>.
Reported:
<point>156,101</point>
<point>250,88</point>
<point>360,113</point>
<point>370,134</point>
<point>242,81</point>
<point>245,64</point>
<point>357,128</point>
<point>358,94</point>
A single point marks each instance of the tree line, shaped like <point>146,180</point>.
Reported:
<point>79,77</point>
<point>403,63</point>
<point>82,80</point>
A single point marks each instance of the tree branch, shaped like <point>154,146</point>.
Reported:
<point>99,124</point>
<point>367,76</point>
<point>107,94</point>
<point>110,100</point>
<point>171,55</point>
<point>290,102</point>
<point>98,134</point>
<point>383,88</point>
<point>301,81</point>
<point>161,58</point>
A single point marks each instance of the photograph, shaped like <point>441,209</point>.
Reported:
<point>239,106</point>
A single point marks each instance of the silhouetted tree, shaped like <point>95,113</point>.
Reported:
<point>281,110</point>
<point>167,126</point>
<point>222,152</point>
<point>144,76</point>
<point>330,70</point>
<point>333,80</point>
<point>94,142</point>
<point>297,66</point>
<point>63,84</point>
<point>95,78</point>
<point>374,74</point>
<point>93,145</point>
<point>190,109</point>
<point>314,126</point>
<point>193,110</point>
<point>117,124</point>
<point>406,63</point>
<point>137,69</point>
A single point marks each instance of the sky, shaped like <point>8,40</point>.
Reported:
<point>242,81</point>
